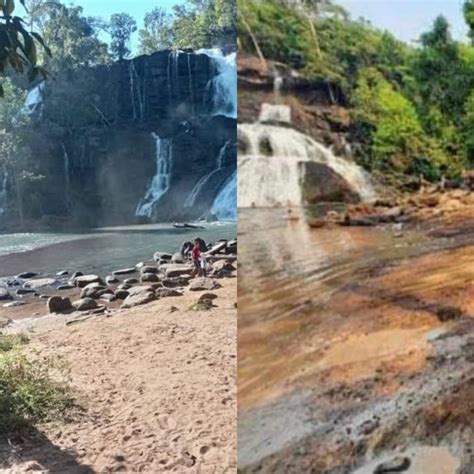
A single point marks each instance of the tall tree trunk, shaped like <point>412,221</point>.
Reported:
<point>254,41</point>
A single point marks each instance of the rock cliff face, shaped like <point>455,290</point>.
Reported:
<point>151,139</point>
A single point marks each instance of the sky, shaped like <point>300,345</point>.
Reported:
<point>407,19</point>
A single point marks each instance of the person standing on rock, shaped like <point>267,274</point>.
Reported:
<point>196,258</point>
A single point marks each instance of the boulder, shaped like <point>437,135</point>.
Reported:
<point>149,269</point>
<point>62,273</point>
<point>125,271</point>
<point>76,274</point>
<point>177,258</point>
<point>26,275</point>
<point>223,265</point>
<point>56,304</point>
<point>121,294</point>
<point>398,464</point>
<point>149,277</point>
<point>131,281</point>
<point>172,271</point>
<point>5,295</point>
<point>84,280</point>
<point>93,290</point>
<point>138,299</point>
<point>162,256</point>
<point>167,292</point>
<point>138,290</point>
<point>66,286</point>
<point>204,283</point>
<point>123,286</point>
<point>320,183</point>
<point>207,297</point>
<point>13,304</point>
<point>109,297</point>
<point>175,282</point>
<point>25,291</point>
<point>84,304</point>
<point>4,322</point>
<point>40,283</point>
<point>111,280</point>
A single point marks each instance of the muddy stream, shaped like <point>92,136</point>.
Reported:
<point>356,347</point>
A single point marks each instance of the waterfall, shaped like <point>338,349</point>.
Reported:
<point>201,184</point>
<point>225,204</point>
<point>34,99</point>
<point>160,183</point>
<point>223,86</point>
<point>3,192</point>
<point>268,166</point>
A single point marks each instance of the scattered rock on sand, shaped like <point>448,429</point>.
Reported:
<point>109,297</point>
<point>40,283</point>
<point>56,304</point>
<point>177,258</point>
<point>177,270</point>
<point>175,282</point>
<point>138,299</point>
<point>85,304</point>
<point>62,273</point>
<point>93,290</point>
<point>167,292</point>
<point>398,464</point>
<point>76,274</point>
<point>123,286</point>
<point>223,265</point>
<point>5,295</point>
<point>13,304</point>
<point>162,256</point>
<point>125,271</point>
<point>84,280</point>
<point>4,322</point>
<point>207,297</point>
<point>131,281</point>
<point>66,286</point>
<point>25,291</point>
<point>204,283</point>
<point>26,275</point>
<point>121,294</point>
<point>148,269</point>
<point>111,280</point>
<point>137,290</point>
<point>149,277</point>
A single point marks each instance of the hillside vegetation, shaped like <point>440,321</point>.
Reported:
<point>412,106</point>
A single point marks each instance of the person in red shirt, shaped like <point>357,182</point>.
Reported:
<point>196,258</point>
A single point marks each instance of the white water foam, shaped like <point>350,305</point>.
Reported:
<point>160,183</point>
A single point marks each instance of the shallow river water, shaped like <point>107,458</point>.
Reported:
<point>99,251</point>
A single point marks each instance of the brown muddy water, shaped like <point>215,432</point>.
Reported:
<point>343,328</point>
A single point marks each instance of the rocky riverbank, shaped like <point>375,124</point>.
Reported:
<point>152,359</point>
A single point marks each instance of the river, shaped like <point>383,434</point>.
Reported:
<point>99,250</point>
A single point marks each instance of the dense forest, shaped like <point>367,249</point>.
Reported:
<point>411,105</point>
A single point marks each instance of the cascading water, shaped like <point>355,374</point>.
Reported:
<point>201,184</point>
<point>268,166</point>
<point>160,183</point>
<point>223,86</point>
<point>3,192</point>
<point>225,204</point>
<point>34,99</point>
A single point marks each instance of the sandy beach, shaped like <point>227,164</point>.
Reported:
<point>155,389</point>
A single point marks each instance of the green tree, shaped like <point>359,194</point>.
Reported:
<point>18,47</point>
<point>121,28</point>
<point>468,10</point>
<point>157,33</point>
<point>72,37</point>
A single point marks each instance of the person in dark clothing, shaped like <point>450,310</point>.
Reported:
<point>186,249</point>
